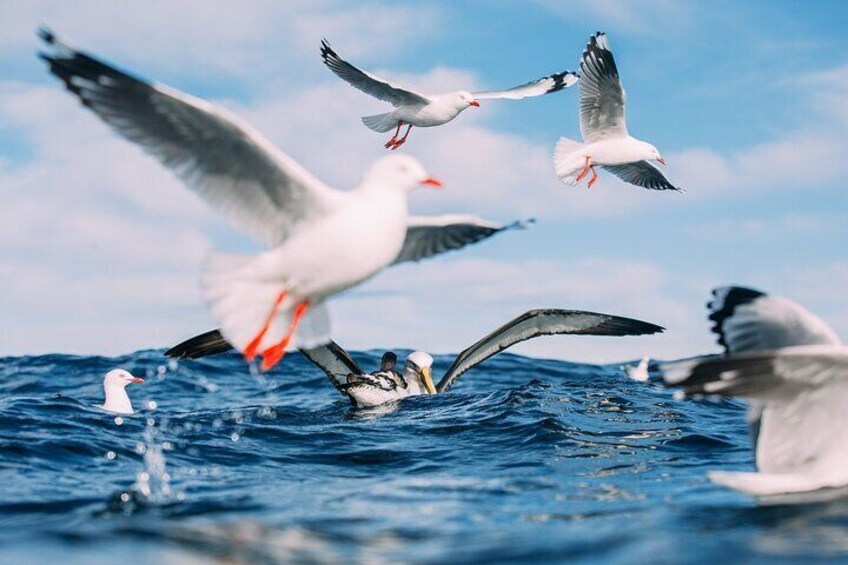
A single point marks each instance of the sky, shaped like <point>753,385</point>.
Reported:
<point>101,247</point>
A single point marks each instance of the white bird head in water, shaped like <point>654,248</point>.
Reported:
<point>114,385</point>
<point>418,372</point>
<point>400,172</point>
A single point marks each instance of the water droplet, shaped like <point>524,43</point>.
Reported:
<point>110,455</point>
<point>125,497</point>
<point>167,445</point>
<point>161,369</point>
<point>151,422</point>
<point>119,421</point>
<point>140,448</point>
<point>151,405</point>
<point>173,364</point>
<point>234,436</point>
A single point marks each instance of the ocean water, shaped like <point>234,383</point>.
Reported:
<point>523,460</point>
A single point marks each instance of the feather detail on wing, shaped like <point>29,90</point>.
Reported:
<point>538,87</point>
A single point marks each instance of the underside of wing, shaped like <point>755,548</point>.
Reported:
<point>427,236</point>
<point>601,95</point>
<point>641,173</point>
<point>538,87</point>
<point>336,363</point>
<point>228,163</point>
<point>537,323</point>
<point>368,83</point>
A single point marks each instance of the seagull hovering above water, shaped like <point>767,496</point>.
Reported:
<point>427,110</point>
<point>372,389</point>
<point>792,369</point>
<point>114,389</point>
<point>321,241</point>
<point>606,142</point>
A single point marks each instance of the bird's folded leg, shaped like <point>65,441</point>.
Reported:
<point>402,140</point>
<point>393,140</point>
<point>583,172</point>
<point>250,351</point>
<point>594,177</point>
<point>273,354</point>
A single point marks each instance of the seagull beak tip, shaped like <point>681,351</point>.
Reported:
<point>430,181</point>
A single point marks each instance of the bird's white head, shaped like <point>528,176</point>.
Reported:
<point>399,172</point>
<point>464,99</point>
<point>120,378</point>
<point>653,154</point>
<point>419,369</point>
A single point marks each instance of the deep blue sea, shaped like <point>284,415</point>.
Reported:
<point>524,460</point>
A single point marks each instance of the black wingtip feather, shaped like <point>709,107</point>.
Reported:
<point>723,304</point>
<point>203,345</point>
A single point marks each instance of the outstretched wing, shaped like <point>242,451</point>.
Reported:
<point>538,87</point>
<point>203,345</point>
<point>745,319</point>
<point>372,85</point>
<point>537,323</point>
<point>427,236</point>
<point>336,363</point>
<point>228,163</point>
<point>641,173</point>
<point>601,95</point>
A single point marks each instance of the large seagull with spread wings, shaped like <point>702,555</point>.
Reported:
<point>320,241</point>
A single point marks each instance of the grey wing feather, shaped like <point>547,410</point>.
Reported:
<point>336,363</point>
<point>641,173</point>
<point>537,323</point>
<point>601,95</point>
<point>427,236</point>
<point>538,87</point>
<point>226,161</point>
<point>372,85</point>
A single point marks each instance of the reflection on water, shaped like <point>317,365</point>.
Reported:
<point>538,461</point>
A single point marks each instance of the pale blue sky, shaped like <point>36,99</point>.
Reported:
<point>747,101</point>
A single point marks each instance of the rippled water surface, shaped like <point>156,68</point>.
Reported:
<point>524,459</point>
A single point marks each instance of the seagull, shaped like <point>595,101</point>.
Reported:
<point>606,142</point>
<point>427,110</point>
<point>368,390</point>
<point>320,241</point>
<point>114,388</point>
<point>793,370</point>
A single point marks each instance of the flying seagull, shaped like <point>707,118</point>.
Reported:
<point>372,389</point>
<point>320,241</point>
<point>793,370</point>
<point>427,110</point>
<point>606,142</point>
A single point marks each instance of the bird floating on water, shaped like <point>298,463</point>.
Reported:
<point>114,389</point>
<point>427,110</point>
<point>606,142</point>
<point>371,389</point>
<point>321,241</point>
<point>792,369</point>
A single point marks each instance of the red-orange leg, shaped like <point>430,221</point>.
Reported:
<point>273,354</point>
<point>394,139</point>
<point>583,172</point>
<point>253,346</point>
<point>594,177</point>
<point>402,140</point>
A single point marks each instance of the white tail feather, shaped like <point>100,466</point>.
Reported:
<point>242,301</point>
<point>568,160</point>
<point>380,122</point>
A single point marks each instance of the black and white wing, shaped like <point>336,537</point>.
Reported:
<point>227,162</point>
<point>601,95</point>
<point>336,363</point>
<point>537,323</point>
<point>801,393</point>
<point>427,236</point>
<point>641,173</point>
<point>745,319</point>
<point>203,345</point>
<point>372,85</point>
<point>538,87</point>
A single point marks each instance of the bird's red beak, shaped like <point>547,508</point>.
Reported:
<point>474,103</point>
<point>138,381</point>
<point>661,160</point>
<point>430,181</point>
